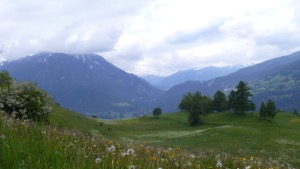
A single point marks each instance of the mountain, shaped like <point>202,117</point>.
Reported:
<point>202,74</point>
<point>86,83</point>
<point>277,79</point>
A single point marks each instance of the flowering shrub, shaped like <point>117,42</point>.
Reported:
<point>26,101</point>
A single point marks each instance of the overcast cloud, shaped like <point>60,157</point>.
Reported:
<point>153,36</point>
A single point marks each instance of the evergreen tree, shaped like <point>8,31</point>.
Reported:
<point>272,110</point>
<point>157,112</point>
<point>220,102</point>
<point>263,110</point>
<point>239,99</point>
<point>268,111</point>
<point>197,106</point>
<point>5,79</point>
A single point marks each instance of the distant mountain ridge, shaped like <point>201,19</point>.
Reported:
<point>86,83</point>
<point>271,79</point>
<point>199,74</point>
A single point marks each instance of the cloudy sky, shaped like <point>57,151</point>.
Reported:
<point>153,36</point>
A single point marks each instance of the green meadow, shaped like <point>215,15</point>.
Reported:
<point>223,140</point>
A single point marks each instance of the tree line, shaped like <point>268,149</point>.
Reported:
<point>238,101</point>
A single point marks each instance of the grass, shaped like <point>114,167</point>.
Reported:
<point>224,140</point>
<point>221,132</point>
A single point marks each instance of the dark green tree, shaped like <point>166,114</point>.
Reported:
<point>239,99</point>
<point>268,111</point>
<point>295,112</point>
<point>272,110</point>
<point>5,79</point>
<point>220,102</point>
<point>263,110</point>
<point>197,106</point>
<point>157,112</point>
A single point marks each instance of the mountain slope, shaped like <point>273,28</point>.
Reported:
<point>203,74</point>
<point>277,79</point>
<point>86,83</point>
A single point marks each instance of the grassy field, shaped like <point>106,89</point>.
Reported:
<point>224,140</point>
<point>220,132</point>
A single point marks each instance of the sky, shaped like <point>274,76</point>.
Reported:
<point>156,37</point>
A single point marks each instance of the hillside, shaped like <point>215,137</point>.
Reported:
<point>267,80</point>
<point>86,83</point>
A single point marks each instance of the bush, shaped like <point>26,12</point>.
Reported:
<point>26,100</point>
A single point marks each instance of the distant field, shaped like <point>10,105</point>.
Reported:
<point>222,132</point>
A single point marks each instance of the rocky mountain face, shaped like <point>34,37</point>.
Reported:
<point>87,84</point>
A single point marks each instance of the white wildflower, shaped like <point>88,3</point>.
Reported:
<point>98,160</point>
<point>131,167</point>
<point>219,163</point>
<point>2,136</point>
<point>130,151</point>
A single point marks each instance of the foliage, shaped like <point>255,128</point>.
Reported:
<point>5,80</point>
<point>268,111</point>
<point>295,112</point>
<point>220,102</point>
<point>157,112</point>
<point>25,101</point>
<point>197,106</point>
<point>239,100</point>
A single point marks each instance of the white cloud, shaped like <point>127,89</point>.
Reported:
<point>153,37</point>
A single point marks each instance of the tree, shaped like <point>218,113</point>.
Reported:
<point>25,99</point>
<point>157,112</point>
<point>197,106</point>
<point>268,111</point>
<point>220,102</point>
<point>263,110</point>
<point>5,79</point>
<point>239,99</point>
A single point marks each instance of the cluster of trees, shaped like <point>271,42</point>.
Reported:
<point>238,101</point>
<point>24,99</point>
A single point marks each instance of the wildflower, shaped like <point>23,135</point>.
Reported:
<point>2,137</point>
<point>130,151</point>
<point>248,167</point>
<point>131,167</point>
<point>219,163</point>
<point>98,160</point>
<point>153,158</point>
<point>111,148</point>
<point>192,156</point>
<point>159,168</point>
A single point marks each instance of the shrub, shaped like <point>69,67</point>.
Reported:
<point>26,100</point>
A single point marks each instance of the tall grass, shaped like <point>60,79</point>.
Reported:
<point>28,145</point>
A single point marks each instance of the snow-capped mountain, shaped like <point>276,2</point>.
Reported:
<point>86,83</point>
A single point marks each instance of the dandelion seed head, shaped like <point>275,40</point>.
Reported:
<point>98,160</point>
<point>131,167</point>
<point>2,136</point>
<point>219,163</point>
<point>130,151</point>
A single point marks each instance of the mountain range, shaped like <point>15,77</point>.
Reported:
<point>86,83</point>
<point>89,84</point>
<point>199,74</point>
<point>277,79</point>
